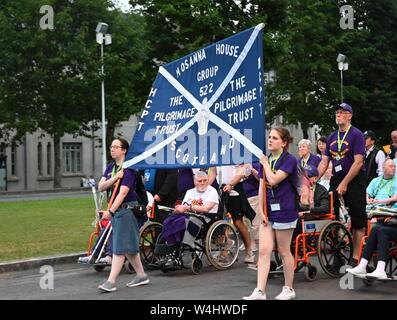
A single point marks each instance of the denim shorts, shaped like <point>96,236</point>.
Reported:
<point>125,232</point>
<point>283,226</point>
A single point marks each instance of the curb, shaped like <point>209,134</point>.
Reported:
<point>38,262</point>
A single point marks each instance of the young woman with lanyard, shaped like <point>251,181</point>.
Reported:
<point>280,215</point>
<point>124,223</point>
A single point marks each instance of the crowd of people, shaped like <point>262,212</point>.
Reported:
<point>262,199</point>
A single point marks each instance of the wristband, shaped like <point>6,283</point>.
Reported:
<point>111,212</point>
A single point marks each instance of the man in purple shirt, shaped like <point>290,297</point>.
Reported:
<point>346,150</point>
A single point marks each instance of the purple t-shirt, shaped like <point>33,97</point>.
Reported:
<point>128,180</point>
<point>283,194</point>
<point>185,180</point>
<point>313,161</point>
<point>251,185</point>
<point>353,144</point>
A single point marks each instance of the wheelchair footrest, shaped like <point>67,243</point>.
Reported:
<point>162,249</point>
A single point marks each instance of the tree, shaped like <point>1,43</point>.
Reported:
<point>176,28</point>
<point>50,79</point>
<point>307,80</point>
<point>371,80</point>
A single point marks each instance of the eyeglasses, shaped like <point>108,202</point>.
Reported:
<point>115,147</point>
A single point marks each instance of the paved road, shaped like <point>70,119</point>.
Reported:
<point>73,281</point>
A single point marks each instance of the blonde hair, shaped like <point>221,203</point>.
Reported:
<point>305,142</point>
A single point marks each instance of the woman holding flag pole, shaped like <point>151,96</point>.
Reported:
<point>122,185</point>
<point>279,212</point>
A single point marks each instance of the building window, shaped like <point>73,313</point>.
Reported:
<point>72,157</point>
<point>49,163</point>
<point>40,159</point>
<point>13,159</point>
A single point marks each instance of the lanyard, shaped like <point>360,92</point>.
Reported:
<point>303,163</point>
<point>114,171</point>
<point>343,139</point>
<point>383,183</point>
<point>273,162</point>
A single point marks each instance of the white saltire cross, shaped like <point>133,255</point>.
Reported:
<point>204,114</point>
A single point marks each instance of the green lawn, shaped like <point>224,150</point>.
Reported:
<point>39,228</point>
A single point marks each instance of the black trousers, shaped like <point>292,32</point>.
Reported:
<point>355,199</point>
<point>379,240</point>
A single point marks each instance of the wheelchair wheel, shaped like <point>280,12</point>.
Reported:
<point>391,263</point>
<point>99,268</point>
<point>197,265</point>
<point>222,245</point>
<point>334,248</point>
<point>310,272</point>
<point>148,238</point>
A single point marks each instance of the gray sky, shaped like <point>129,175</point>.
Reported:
<point>122,4</point>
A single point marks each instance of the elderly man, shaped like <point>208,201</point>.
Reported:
<point>382,191</point>
<point>346,149</point>
<point>202,199</point>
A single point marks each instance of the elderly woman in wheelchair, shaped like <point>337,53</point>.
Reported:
<point>197,225</point>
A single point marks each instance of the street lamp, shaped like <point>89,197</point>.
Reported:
<point>342,66</point>
<point>102,37</point>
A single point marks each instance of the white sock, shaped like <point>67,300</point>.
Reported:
<point>380,267</point>
<point>363,264</point>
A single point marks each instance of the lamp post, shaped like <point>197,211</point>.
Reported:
<point>342,66</point>
<point>102,37</point>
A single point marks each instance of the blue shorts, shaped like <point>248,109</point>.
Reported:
<point>125,232</point>
<point>283,226</point>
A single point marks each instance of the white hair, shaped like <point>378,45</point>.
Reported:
<point>200,174</point>
<point>305,142</point>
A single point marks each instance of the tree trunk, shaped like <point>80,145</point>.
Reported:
<point>304,131</point>
<point>57,160</point>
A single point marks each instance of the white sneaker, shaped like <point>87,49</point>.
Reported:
<point>357,271</point>
<point>256,295</point>
<point>105,260</point>
<point>377,275</point>
<point>249,257</point>
<point>85,259</point>
<point>287,294</point>
<point>242,247</point>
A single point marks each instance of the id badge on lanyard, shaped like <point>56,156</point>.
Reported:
<point>274,204</point>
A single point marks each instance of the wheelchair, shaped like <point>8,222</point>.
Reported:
<point>391,263</point>
<point>322,236</point>
<point>217,239</point>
